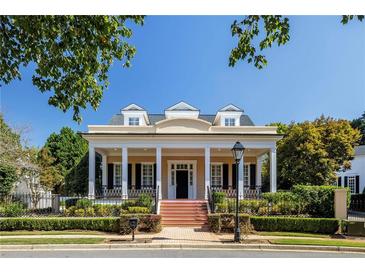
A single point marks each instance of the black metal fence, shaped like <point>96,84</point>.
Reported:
<point>248,192</point>
<point>357,202</point>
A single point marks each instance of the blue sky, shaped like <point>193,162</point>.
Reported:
<point>320,71</point>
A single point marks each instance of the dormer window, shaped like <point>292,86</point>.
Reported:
<point>133,121</point>
<point>229,122</point>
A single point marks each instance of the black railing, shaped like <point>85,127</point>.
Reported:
<point>210,200</point>
<point>117,192</point>
<point>357,202</point>
<point>157,199</point>
<point>248,192</point>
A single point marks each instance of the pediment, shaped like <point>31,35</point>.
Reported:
<point>182,106</point>
<point>182,125</point>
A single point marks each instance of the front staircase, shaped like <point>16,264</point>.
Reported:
<point>183,213</point>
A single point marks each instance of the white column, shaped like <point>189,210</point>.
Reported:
<point>240,178</point>
<point>91,172</point>
<point>207,171</point>
<point>259,171</point>
<point>104,167</point>
<point>158,171</point>
<point>124,172</point>
<point>273,170</point>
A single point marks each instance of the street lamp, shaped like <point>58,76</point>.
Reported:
<point>237,152</point>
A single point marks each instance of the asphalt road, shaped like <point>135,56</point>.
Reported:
<point>173,253</point>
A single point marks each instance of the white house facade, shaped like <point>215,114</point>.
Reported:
<point>180,154</point>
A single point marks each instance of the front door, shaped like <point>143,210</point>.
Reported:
<point>182,184</point>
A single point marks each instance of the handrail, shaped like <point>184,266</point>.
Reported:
<point>210,200</point>
<point>157,198</point>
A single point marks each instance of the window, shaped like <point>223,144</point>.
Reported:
<point>216,175</point>
<point>351,182</point>
<point>117,175</point>
<point>147,175</point>
<point>133,121</point>
<point>246,175</point>
<point>229,122</point>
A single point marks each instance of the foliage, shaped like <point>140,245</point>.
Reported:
<point>139,209</point>
<point>145,200</point>
<point>312,152</point>
<point>8,177</point>
<point>84,203</point>
<point>146,223</point>
<point>60,223</point>
<point>218,197</point>
<point>296,224</point>
<point>72,54</point>
<point>14,209</point>
<point>50,175</point>
<point>71,202</point>
<point>359,124</point>
<point>249,30</point>
<point>226,222</point>
<point>214,222</point>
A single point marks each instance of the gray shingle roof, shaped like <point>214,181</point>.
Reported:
<point>118,119</point>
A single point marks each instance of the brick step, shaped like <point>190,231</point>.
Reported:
<point>183,214</point>
<point>197,218</point>
<point>184,206</point>
<point>185,224</point>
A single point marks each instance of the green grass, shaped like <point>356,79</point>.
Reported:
<point>346,243</point>
<point>63,232</point>
<point>293,234</point>
<point>37,241</point>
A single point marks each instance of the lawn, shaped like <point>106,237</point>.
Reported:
<point>321,242</point>
<point>63,232</point>
<point>293,234</point>
<point>37,241</point>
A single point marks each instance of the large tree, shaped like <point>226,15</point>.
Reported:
<point>359,123</point>
<point>312,152</point>
<point>72,54</point>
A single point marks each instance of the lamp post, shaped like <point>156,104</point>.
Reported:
<point>237,152</point>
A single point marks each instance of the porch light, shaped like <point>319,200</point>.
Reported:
<point>237,151</point>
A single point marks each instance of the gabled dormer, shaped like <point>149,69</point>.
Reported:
<point>182,110</point>
<point>134,115</point>
<point>228,116</point>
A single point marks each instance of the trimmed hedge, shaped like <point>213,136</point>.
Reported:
<point>296,224</point>
<point>226,222</point>
<point>60,223</point>
<point>146,223</point>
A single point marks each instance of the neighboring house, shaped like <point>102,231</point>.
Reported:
<point>181,152</point>
<point>28,196</point>
<point>354,178</point>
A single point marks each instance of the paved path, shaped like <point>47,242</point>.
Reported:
<point>174,253</point>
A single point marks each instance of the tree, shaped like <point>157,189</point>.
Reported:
<point>312,152</point>
<point>50,175</point>
<point>276,28</point>
<point>72,54</point>
<point>359,124</point>
<point>8,177</point>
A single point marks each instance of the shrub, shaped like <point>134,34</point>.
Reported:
<point>128,203</point>
<point>89,212</point>
<point>219,197</point>
<point>221,208</point>
<point>296,224</point>
<point>15,209</point>
<point>107,210</point>
<point>79,212</point>
<point>84,203</point>
<point>145,200</point>
<point>60,223</point>
<point>252,206</point>
<point>146,223</point>
<point>138,209</point>
<point>214,222</point>
<point>226,222</point>
<point>71,202</point>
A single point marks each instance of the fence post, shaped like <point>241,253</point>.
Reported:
<point>340,203</point>
<point>56,203</point>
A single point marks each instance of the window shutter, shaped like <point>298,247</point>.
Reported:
<point>345,185</point>
<point>129,176</point>
<point>357,184</point>
<point>339,179</point>
<point>154,176</point>
<point>138,176</point>
<point>225,176</point>
<point>110,175</point>
<point>234,176</point>
<point>252,176</point>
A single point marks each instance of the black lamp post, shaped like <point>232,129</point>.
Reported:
<point>237,152</point>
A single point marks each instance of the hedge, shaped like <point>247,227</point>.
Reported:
<point>226,222</point>
<point>60,223</point>
<point>146,223</point>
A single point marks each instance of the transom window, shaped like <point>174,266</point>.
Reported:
<point>351,182</point>
<point>147,175</point>
<point>229,122</point>
<point>133,121</point>
<point>216,175</point>
<point>117,175</point>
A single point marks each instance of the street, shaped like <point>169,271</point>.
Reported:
<point>173,253</point>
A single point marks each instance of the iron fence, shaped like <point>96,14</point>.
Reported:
<point>357,202</point>
<point>248,192</point>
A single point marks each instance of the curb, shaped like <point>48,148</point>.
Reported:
<point>261,247</point>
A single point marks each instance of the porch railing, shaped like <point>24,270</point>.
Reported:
<point>248,192</point>
<point>117,192</point>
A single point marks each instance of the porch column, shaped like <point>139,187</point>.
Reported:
<point>207,171</point>
<point>273,169</point>
<point>158,171</point>
<point>259,171</point>
<point>91,172</point>
<point>124,172</point>
<point>104,167</point>
<point>240,179</point>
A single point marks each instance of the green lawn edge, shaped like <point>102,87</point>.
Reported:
<point>319,242</point>
<point>35,241</point>
<point>52,232</point>
<point>292,234</point>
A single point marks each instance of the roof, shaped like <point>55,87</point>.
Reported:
<point>230,107</point>
<point>118,119</point>
<point>360,150</point>
<point>182,106</point>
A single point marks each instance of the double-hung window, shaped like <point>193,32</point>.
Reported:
<point>133,121</point>
<point>117,175</point>
<point>147,175</point>
<point>216,175</point>
<point>351,183</point>
<point>229,122</point>
<point>246,175</point>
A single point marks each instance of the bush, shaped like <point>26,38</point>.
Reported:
<point>128,203</point>
<point>296,224</point>
<point>84,203</point>
<point>15,209</point>
<point>60,223</point>
<point>90,212</point>
<point>221,208</point>
<point>146,223</point>
<point>226,222</point>
<point>107,210</point>
<point>71,202</point>
<point>79,212</point>
<point>214,221</point>
<point>138,209</point>
<point>219,197</point>
<point>145,200</point>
